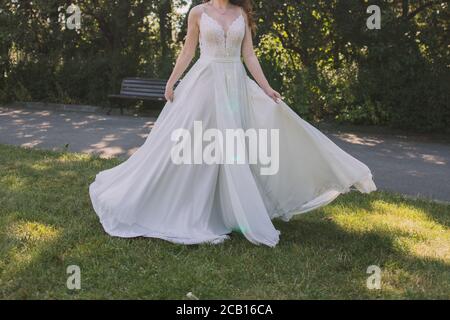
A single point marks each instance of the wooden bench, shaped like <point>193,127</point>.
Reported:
<point>139,89</point>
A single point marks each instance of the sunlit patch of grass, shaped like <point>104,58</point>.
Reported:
<point>47,223</point>
<point>411,228</point>
<point>12,182</point>
<point>23,243</point>
<point>32,232</point>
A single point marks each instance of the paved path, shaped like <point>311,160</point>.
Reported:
<point>397,162</point>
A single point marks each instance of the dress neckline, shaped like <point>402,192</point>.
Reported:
<point>225,31</point>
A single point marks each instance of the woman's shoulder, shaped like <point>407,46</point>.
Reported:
<point>198,9</point>
<point>238,9</point>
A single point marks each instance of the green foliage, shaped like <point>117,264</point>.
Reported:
<point>319,53</point>
<point>397,76</point>
<point>117,39</point>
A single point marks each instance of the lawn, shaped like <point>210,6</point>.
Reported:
<point>47,224</point>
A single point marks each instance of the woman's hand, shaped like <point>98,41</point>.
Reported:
<point>169,92</point>
<point>274,95</point>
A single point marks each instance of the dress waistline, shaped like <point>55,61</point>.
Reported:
<point>220,59</point>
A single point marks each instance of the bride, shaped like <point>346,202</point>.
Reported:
<point>177,189</point>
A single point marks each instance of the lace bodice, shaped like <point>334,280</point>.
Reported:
<point>216,42</point>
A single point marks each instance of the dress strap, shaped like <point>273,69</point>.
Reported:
<point>204,7</point>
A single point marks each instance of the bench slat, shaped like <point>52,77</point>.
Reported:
<point>161,82</point>
<point>142,91</point>
<point>142,87</point>
<point>136,97</point>
<point>143,94</point>
<point>138,85</point>
<point>138,93</point>
<point>143,84</point>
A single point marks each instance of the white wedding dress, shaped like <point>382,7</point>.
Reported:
<point>150,196</point>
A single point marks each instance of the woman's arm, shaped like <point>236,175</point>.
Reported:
<point>253,65</point>
<point>187,53</point>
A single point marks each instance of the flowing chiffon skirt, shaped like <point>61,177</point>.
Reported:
<point>150,196</point>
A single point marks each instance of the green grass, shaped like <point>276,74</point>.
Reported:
<point>47,224</point>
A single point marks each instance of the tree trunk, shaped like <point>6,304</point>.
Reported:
<point>165,32</point>
<point>405,8</point>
